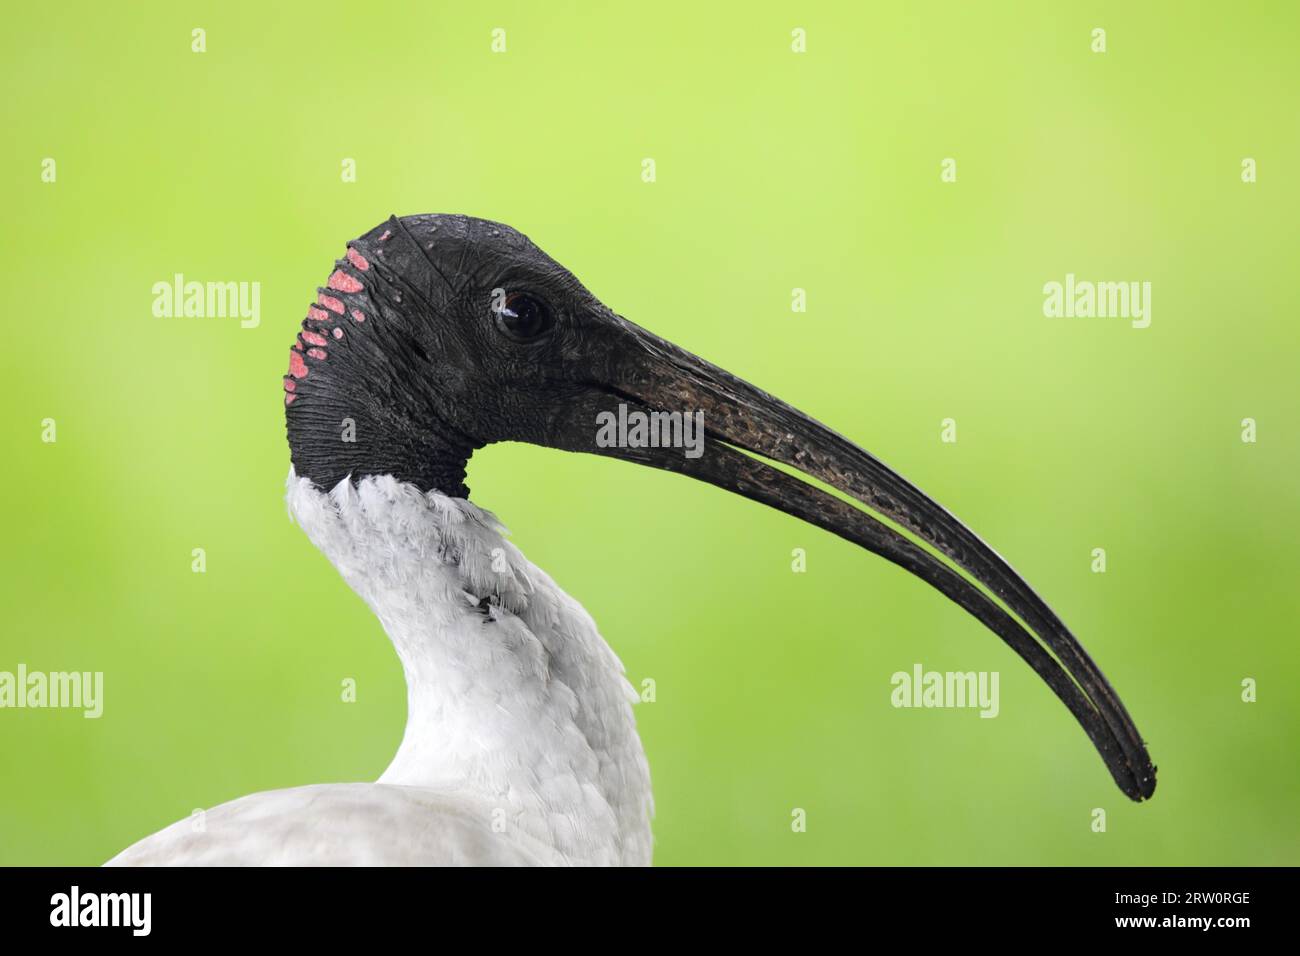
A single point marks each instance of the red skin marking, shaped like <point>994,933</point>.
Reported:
<point>343,282</point>
<point>290,385</point>
<point>338,333</point>
<point>331,303</point>
<point>387,233</point>
<point>316,353</point>
<point>297,367</point>
<point>288,399</point>
<point>319,315</point>
<point>358,260</point>
<point>358,315</point>
<point>315,338</point>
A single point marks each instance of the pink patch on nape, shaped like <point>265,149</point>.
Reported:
<point>358,260</point>
<point>315,338</point>
<point>290,385</point>
<point>338,333</point>
<point>331,303</point>
<point>343,282</point>
<point>387,233</point>
<point>358,315</point>
<point>319,315</point>
<point>316,353</point>
<point>288,398</point>
<point>297,367</point>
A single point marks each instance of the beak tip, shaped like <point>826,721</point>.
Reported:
<point>1138,786</point>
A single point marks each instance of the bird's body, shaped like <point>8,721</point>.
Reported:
<point>520,744</point>
<point>437,335</point>
<point>340,824</point>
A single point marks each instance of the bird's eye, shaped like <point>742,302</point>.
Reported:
<point>523,317</point>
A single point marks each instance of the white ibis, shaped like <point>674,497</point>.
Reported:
<point>435,336</point>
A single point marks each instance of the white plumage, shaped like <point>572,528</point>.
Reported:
<point>520,745</point>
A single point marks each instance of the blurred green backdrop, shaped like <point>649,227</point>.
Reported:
<point>775,170</point>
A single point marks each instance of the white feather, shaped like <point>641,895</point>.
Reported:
<point>520,744</point>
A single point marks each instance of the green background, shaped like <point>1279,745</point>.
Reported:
<point>775,170</point>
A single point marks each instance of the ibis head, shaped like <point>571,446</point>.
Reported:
<point>437,335</point>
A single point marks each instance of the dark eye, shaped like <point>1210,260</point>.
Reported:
<point>523,317</point>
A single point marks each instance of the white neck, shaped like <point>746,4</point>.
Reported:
<point>519,702</point>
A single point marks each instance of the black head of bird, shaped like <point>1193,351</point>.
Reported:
<point>438,334</point>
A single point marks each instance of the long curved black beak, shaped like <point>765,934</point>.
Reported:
<point>647,374</point>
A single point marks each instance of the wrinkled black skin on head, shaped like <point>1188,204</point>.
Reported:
<point>428,377</point>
